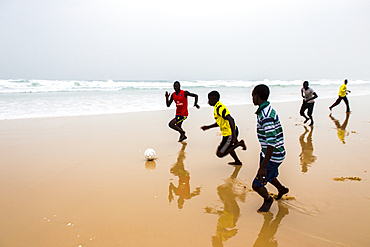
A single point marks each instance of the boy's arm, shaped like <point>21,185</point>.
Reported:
<point>314,96</point>
<point>262,171</point>
<point>206,127</point>
<point>168,101</point>
<point>187,93</point>
<point>232,126</point>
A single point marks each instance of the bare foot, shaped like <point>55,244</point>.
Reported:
<point>242,143</point>
<point>266,205</point>
<point>281,193</point>
<point>183,137</point>
<point>235,163</point>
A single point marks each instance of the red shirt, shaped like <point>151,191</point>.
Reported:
<point>181,103</point>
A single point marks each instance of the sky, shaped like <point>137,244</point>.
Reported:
<point>185,40</point>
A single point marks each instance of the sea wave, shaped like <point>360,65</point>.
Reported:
<point>52,98</point>
<point>44,86</point>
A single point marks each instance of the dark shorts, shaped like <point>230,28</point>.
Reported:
<point>179,118</point>
<point>272,172</point>
<point>226,142</point>
<point>308,106</point>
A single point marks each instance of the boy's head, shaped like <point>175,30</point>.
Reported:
<point>176,86</point>
<point>345,81</point>
<point>213,98</point>
<point>260,94</point>
<point>305,84</point>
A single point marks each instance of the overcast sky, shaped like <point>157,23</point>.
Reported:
<point>184,40</point>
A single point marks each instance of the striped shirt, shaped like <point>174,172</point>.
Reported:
<point>270,132</point>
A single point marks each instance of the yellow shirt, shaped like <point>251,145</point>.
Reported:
<point>341,134</point>
<point>343,90</point>
<point>220,113</point>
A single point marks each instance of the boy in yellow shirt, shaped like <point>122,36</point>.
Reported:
<point>228,129</point>
<point>342,96</point>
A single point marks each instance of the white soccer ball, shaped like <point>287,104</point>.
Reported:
<point>149,154</point>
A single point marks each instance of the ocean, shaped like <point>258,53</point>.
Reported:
<point>55,98</point>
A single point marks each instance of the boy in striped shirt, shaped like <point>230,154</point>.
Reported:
<point>271,138</point>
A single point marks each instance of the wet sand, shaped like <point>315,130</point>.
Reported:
<point>83,181</point>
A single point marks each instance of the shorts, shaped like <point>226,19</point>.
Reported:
<point>272,172</point>
<point>179,118</point>
<point>226,142</point>
<point>308,106</point>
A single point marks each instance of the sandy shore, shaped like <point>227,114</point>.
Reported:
<point>83,181</point>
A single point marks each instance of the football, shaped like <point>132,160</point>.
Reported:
<point>149,154</point>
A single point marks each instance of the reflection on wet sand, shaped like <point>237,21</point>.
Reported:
<point>306,157</point>
<point>150,165</point>
<point>229,192</point>
<point>341,128</point>
<point>266,237</point>
<point>183,189</point>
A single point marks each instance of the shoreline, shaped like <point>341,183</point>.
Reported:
<point>172,108</point>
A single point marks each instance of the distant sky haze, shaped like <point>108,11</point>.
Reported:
<point>184,40</point>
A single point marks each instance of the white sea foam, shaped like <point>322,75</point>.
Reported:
<point>40,86</point>
<point>52,98</point>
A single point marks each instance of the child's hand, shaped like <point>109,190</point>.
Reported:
<point>262,173</point>
<point>167,94</point>
<point>204,128</point>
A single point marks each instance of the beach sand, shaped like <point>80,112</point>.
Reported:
<point>83,181</point>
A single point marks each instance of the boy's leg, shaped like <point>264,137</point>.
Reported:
<point>267,199</point>
<point>221,152</point>
<point>235,157</point>
<point>182,136</point>
<point>271,176</point>
<point>282,190</point>
<point>336,103</point>
<point>347,103</point>
<point>301,112</point>
<point>173,124</point>
<point>310,111</point>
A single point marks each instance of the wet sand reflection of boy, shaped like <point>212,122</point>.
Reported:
<point>266,237</point>
<point>183,189</point>
<point>306,157</point>
<point>229,192</point>
<point>341,128</point>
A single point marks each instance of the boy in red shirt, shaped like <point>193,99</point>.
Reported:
<point>181,99</point>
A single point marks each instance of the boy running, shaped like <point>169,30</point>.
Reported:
<point>271,138</point>
<point>228,128</point>
<point>309,97</point>
<point>181,99</point>
<point>342,96</point>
